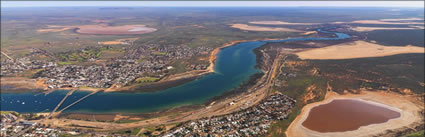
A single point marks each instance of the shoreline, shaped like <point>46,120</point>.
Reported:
<point>189,74</point>
<point>234,93</point>
<point>409,114</point>
<point>179,109</point>
<point>255,92</point>
<point>171,78</point>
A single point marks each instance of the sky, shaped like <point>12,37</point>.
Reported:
<point>419,4</point>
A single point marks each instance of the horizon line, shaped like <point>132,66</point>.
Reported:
<point>389,4</point>
<point>214,6</point>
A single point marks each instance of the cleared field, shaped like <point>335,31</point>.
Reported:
<point>357,49</point>
<point>111,30</point>
<point>110,43</point>
<point>280,23</point>
<point>118,41</point>
<point>258,28</point>
<point>109,54</point>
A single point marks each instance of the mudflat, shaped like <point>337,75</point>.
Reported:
<point>409,108</point>
<point>404,21</point>
<point>260,28</point>
<point>280,23</point>
<point>104,29</point>
<point>363,29</point>
<point>357,49</point>
<point>347,114</point>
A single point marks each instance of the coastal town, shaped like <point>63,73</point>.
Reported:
<point>253,121</point>
<point>141,61</point>
<point>213,69</point>
<point>13,124</point>
<point>10,66</point>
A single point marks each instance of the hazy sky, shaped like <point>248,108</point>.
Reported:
<point>214,3</point>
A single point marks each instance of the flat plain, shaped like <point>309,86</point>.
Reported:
<point>142,53</point>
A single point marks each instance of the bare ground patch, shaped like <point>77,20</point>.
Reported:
<point>280,23</point>
<point>23,83</point>
<point>357,49</point>
<point>54,30</point>
<point>310,32</point>
<point>110,30</point>
<point>100,29</point>
<point>387,21</point>
<point>384,22</point>
<point>404,19</point>
<point>125,41</point>
<point>363,29</point>
<point>259,28</point>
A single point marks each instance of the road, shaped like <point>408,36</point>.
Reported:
<point>245,100</point>
<point>79,100</point>
<point>7,55</point>
<point>60,103</point>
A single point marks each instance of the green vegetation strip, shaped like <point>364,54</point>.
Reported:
<point>417,134</point>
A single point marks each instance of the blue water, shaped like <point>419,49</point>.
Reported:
<point>234,66</point>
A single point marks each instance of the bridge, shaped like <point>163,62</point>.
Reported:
<point>79,100</point>
<point>60,103</point>
<point>53,113</point>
